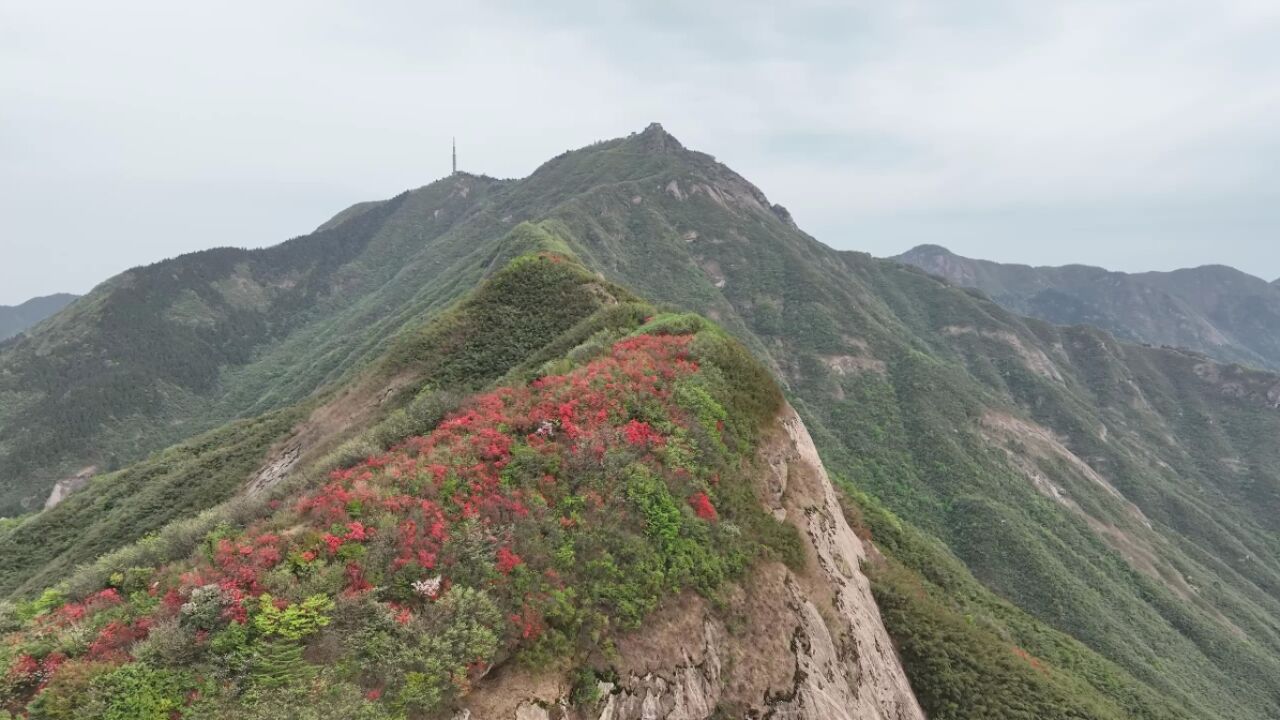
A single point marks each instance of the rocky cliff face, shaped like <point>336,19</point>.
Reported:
<point>64,487</point>
<point>801,645</point>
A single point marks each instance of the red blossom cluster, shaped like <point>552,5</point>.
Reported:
<point>507,560</point>
<point>114,640</point>
<point>423,491</point>
<point>30,672</point>
<point>640,433</point>
<point>239,565</point>
<point>73,612</point>
<point>701,505</point>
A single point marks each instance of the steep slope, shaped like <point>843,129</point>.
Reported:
<point>653,468</point>
<point>501,325</point>
<point>164,352</point>
<point>1216,310</point>
<point>1124,495</point>
<point>15,319</point>
<point>804,642</point>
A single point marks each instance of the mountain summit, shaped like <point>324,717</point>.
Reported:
<point>654,137</point>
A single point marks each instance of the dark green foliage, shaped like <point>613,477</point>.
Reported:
<point>519,311</point>
<point>137,692</point>
<point>960,670</point>
<point>970,654</point>
<point>278,663</point>
<point>125,506</point>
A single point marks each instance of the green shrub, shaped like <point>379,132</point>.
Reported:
<point>278,662</point>
<point>295,621</point>
<point>136,692</point>
<point>168,644</point>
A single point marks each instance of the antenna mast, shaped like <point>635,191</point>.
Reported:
<point>455,156</point>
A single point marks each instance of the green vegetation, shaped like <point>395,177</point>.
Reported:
<point>124,506</point>
<point>18,318</point>
<point>164,352</point>
<point>502,325</point>
<point>533,522</point>
<point>970,654</point>
<point>946,409</point>
<point>1216,310</point>
<point>1074,527</point>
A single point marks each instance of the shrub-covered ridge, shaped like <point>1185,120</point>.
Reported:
<point>530,524</point>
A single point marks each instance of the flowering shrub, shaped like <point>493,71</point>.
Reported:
<point>530,517</point>
<point>701,505</point>
<point>428,588</point>
<point>507,560</point>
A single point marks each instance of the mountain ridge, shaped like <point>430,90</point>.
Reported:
<point>520,429</point>
<point>1214,309</point>
<point>17,318</point>
<point>1102,508</point>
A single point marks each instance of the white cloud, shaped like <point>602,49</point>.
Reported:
<point>138,130</point>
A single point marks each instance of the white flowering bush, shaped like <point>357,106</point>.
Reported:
<point>428,588</point>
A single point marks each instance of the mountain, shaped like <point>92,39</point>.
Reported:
<point>14,319</point>
<point>1219,311</point>
<point>163,352</point>
<point>526,525</point>
<point>1058,524</point>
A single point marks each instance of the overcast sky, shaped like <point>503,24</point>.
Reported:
<point>1130,134</point>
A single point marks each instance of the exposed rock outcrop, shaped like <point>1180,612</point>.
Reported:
<point>64,487</point>
<point>800,645</point>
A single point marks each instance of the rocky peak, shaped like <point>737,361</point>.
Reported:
<point>655,138</point>
<point>926,251</point>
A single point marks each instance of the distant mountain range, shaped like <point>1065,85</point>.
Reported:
<point>16,318</point>
<point>1216,310</point>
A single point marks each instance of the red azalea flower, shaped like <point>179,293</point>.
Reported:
<point>507,560</point>
<point>702,506</point>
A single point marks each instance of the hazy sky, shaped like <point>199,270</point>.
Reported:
<point>1129,134</point>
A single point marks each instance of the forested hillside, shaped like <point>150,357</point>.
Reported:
<point>1219,311</point>
<point>18,318</point>
<point>163,352</point>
